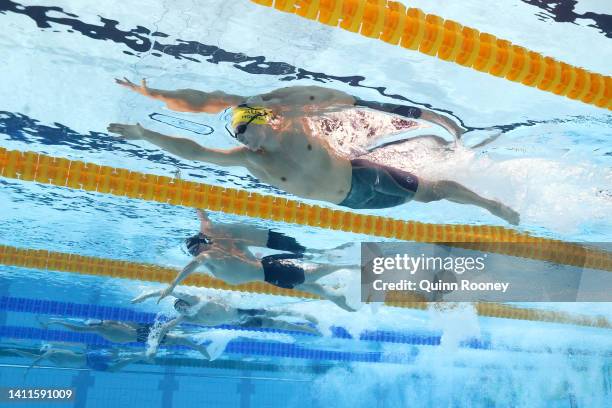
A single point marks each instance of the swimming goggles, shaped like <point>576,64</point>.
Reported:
<point>240,129</point>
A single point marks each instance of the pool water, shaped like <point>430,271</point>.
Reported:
<point>551,162</point>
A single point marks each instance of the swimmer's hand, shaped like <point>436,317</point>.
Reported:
<point>441,120</point>
<point>142,89</point>
<point>146,295</point>
<point>165,293</point>
<point>129,132</point>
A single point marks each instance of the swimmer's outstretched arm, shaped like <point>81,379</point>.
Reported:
<point>186,100</point>
<point>441,120</point>
<point>191,299</point>
<point>313,97</point>
<point>146,295</point>
<point>185,148</point>
<point>184,273</point>
<point>40,358</point>
<point>413,112</point>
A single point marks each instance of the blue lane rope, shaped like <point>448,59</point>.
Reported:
<point>75,310</point>
<point>86,311</point>
<point>260,348</point>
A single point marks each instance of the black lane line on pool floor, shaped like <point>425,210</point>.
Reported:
<point>138,40</point>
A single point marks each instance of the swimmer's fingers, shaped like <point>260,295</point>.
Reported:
<point>41,322</point>
<point>139,299</point>
<point>166,292</point>
<point>144,88</point>
<point>119,130</point>
<point>130,132</point>
<point>144,296</point>
<point>115,128</point>
<point>162,296</point>
<point>126,83</point>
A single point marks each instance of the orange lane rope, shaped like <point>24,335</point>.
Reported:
<point>87,265</point>
<point>30,166</point>
<point>411,28</point>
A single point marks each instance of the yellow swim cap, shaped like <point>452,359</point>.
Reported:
<point>252,114</point>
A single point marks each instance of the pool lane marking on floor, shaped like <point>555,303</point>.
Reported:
<point>87,265</point>
<point>78,175</point>
<point>411,28</point>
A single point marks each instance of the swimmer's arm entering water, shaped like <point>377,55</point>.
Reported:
<point>317,97</point>
<point>306,96</point>
<point>443,121</point>
<point>163,330</point>
<point>413,112</point>
<point>186,100</point>
<point>187,270</point>
<point>185,148</point>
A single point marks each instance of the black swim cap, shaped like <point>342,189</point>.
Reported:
<point>194,243</point>
<point>177,301</point>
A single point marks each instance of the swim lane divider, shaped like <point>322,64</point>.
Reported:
<point>89,311</point>
<point>87,265</point>
<point>78,175</point>
<point>244,347</point>
<point>30,166</point>
<point>411,28</point>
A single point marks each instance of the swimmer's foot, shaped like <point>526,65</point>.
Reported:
<point>341,301</point>
<point>43,324</point>
<point>310,330</point>
<point>503,211</point>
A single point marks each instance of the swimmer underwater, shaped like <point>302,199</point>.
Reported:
<point>282,150</point>
<point>214,311</point>
<point>224,250</point>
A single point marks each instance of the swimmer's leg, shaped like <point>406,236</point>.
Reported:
<point>180,340</point>
<point>271,313</point>
<point>270,323</point>
<point>325,293</point>
<point>312,275</point>
<point>121,363</point>
<point>22,353</point>
<point>429,191</point>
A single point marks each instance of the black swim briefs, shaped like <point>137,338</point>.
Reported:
<point>281,242</point>
<point>377,186</point>
<point>279,270</point>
